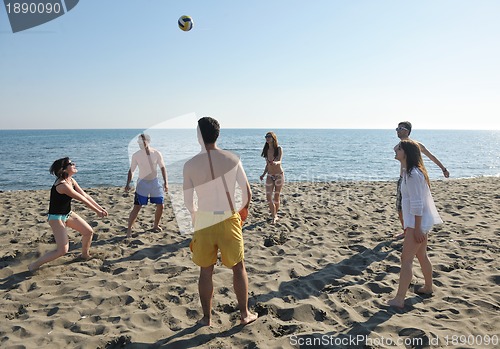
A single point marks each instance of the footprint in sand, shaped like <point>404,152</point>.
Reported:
<point>413,333</point>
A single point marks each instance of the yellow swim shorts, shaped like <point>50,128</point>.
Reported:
<point>225,236</point>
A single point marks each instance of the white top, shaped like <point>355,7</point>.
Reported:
<point>417,201</point>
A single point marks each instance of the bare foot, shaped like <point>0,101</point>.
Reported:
<point>424,290</point>
<point>83,258</point>
<point>275,219</point>
<point>204,321</point>
<point>157,229</point>
<point>396,304</point>
<point>249,319</point>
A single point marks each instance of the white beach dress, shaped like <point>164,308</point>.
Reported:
<point>417,201</point>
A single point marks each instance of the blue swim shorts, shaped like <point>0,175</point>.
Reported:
<point>148,189</point>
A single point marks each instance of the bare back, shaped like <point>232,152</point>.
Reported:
<point>210,192</point>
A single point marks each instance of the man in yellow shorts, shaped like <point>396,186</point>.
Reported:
<point>213,175</point>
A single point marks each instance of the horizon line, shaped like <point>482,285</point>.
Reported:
<point>239,128</point>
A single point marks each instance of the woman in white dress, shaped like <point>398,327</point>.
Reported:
<point>419,216</point>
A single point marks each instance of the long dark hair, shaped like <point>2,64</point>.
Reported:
<point>58,167</point>
<point>275,145</point>
<point>414,158</point>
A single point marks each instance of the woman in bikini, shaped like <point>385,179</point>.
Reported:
<point>273,154</point>
<point>61,217</point>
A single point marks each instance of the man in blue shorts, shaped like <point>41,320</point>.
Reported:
<point>148,185</point>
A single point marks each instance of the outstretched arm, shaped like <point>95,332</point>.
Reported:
<point>79,194</point>
<point>434,159</point>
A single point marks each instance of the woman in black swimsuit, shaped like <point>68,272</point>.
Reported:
<point>61,217</point>
<point>273,154</point>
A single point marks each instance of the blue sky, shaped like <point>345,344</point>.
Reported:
<point>256,64</point>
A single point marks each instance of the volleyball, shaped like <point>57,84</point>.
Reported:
<point>185,23</point>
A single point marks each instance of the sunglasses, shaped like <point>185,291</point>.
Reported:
<point>70,164</point>
<point>401,129</point>
<point>269,136</point>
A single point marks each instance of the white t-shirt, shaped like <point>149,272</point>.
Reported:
<point>417,201</point>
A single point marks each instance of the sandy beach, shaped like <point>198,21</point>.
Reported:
<point>320,276</point>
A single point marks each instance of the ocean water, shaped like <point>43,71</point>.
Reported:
<point>102,156</point>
